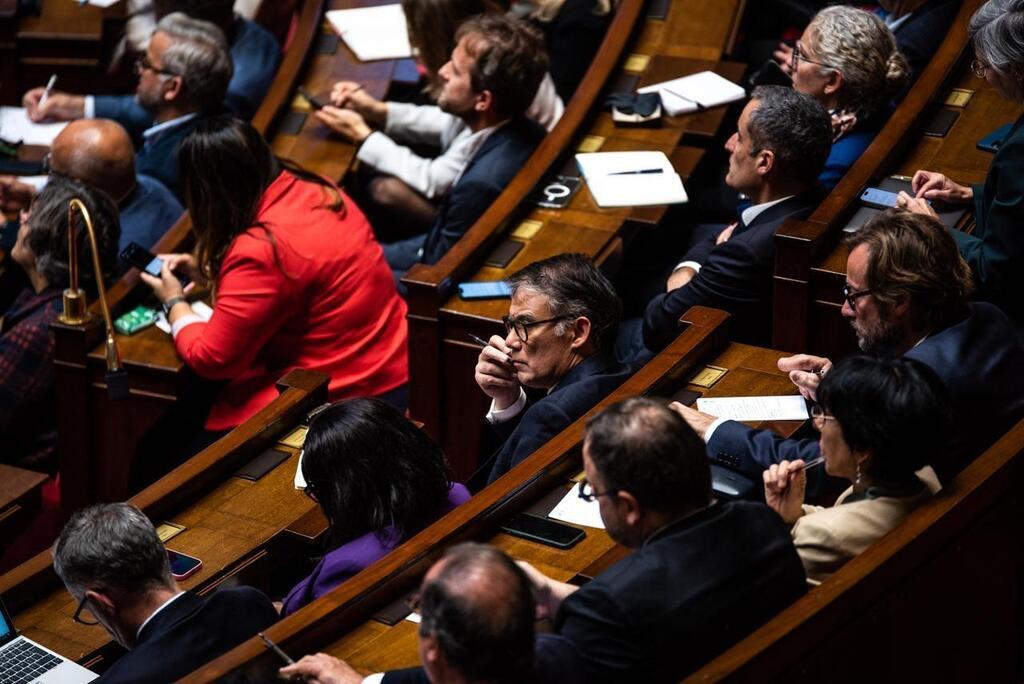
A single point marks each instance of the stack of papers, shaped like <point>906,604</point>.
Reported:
<point>631,179</point>
<point>15,125</point>
<point>373,32</point>
<point>573,509</point>
<point>699,91</point>
<point>789,407</point>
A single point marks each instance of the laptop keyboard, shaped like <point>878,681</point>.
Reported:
<point>22,662</point>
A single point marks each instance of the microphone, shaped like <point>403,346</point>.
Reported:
<point>75,310</point>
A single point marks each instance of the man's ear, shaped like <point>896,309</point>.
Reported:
<point>431,650</point>
<point>173,88</point>
<point>581,327</point>
<point>484,101</point>
<point>765,162</point>
<point>835,81</point>
<point>632,511</point>
<point>101,601</point>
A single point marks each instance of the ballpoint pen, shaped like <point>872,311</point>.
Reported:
<point>47,89</point>
<point>631,173</point>
<point>478,340</point>
<point>814,463</point>
<point>275,648</point>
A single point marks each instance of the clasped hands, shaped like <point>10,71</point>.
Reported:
<point>353,112</point>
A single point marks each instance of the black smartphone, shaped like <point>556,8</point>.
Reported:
<point>543,530</point>
<point>140,257</point>
<point>313,100</point>
<point>182,566</point>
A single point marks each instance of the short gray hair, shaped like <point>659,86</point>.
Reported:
<point>795,127</point>
<point>863,49</point>
<point>997,31</point>
<point>111,545</point>
<point>199,55</point>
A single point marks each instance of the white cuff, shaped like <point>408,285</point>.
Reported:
<point>375,678</point>
<point>183,322</point>
<point>711,429</point>
<point>506,414</point>
<point>89,111</point>
<point>687,264</point>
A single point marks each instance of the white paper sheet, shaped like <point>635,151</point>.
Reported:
<point>611,184</point>
<point>373,32</point>
<point>300,481</point>
<point>690,93</point>
<point>15,125</point>
<point>96,3</point>
<point>201,309</point>
<point>572,509</point>
<point>790,407</point>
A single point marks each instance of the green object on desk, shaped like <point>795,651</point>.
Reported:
<point>135,320</point>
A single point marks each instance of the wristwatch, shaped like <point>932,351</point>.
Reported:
<point>169,304</point>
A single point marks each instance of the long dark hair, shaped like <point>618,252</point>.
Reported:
<point>225,166</point>
<point>369,468</point>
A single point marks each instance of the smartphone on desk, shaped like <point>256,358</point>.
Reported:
<point>142,259</point>
<point>182,565</point>
<point>543,530</point>
<point>485,289</point>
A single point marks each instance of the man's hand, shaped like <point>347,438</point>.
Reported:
<point>679,277</point>
<point>785,484</point>
<point>346,123</point>
<point>700,422</point>
<point>351,95</point>
<point>59,106</point>
<point>548,593</point>
<point>14,195</point>
<point>915,205</point>
<point>784,56</point>
<point>932,185</point>
<point>805,371</point>
<point>496,374</point>
<point>322,669</point>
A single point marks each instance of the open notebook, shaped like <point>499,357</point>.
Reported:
<point>631,179</point>
<point>697,91</point>
<point>373,32</point>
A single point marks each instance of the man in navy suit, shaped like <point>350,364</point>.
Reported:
<point>115,566</point>
<point>703,573</point>
<point>907,291</point>
<point>255,55</point>
<point>780,146</point>
<point>561,323</point>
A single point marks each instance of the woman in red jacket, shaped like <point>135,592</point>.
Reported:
<point>298,279</point>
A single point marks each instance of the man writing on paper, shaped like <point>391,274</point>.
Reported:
<point>779,148</point>
<point>494,71</point>
<point>907,291</point>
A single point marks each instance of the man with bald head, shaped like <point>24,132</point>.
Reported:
<point>99,153</point>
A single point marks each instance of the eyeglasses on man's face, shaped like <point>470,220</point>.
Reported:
<point>800,55</point>
<point>851,296</point>
<point>143,64</point>
<point>522,326</point>
<point>83,616</point>
<point>588,494</point>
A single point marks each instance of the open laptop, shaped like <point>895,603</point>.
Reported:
<point>23,660</point>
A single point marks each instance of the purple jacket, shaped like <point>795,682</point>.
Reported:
<point>348,559</point>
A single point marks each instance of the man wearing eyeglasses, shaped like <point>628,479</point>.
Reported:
<point>554,363</point>
<point>907,292</point>
<point>703,574</point>
<point>115,566</point>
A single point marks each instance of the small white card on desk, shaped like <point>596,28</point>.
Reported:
<point>631,179</point>
<point>789,407</point>
<point>373,32</point>
<point>690,93</point>
<point>16,126</point>
<point>573,509</point>
<point>96,3</point>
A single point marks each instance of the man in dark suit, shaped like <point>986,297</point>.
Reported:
<point>255,54</point>
<point>561,322</point>
<point>703,573</point>
<point>780,146</point>
<point>114,564</point>
<point>477,625</point>
<point>906,294</point>
<point>494,72</point>
<point>919,27</point>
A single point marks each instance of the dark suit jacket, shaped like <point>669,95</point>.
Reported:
<point>191,632</point>
<point>146,214</point>
<point>254,55</point>
<point>584,386</point>
<point>158,157</point>
<point>572,39</point>
<point>995,251</point>
<point>920,35</point>
<point>979,360</point>
<point>492,168</point>
<point>735,276</point>
<point>692,590</point>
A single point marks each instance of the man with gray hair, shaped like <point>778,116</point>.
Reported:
<point>561,323</point>
<point>780,146</point>
<point>115,566</point>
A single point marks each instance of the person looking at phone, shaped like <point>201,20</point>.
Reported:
<point>995,249</point>
<point>115,567</point>
<point>560,327</point>
<point>299,281</point>
<point>28,402</point>
<point>378,479</point>
<point>703,573</point>
<point>907,291</point>
<point>880,420</point>
<point>99,153</point>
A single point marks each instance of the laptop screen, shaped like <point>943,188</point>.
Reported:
<point>6,626</point>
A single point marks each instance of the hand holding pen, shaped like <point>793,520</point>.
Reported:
<point>785,485</point>
<point>805,371</point>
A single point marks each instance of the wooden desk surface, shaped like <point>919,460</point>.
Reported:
<point>60,18</point>
<point>16,483</point>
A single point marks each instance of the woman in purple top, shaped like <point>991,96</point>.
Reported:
<point>378,479</point>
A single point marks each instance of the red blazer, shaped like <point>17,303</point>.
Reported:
<point>306,287</point>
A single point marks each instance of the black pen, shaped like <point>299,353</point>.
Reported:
<point>478,340</point>
<point>631,173</point>
<point>683,97</point>
<point>276,649</point>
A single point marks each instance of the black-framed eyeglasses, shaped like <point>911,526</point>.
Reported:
<point>800,55</point>
<point>522,326</point>
<point>979,68</point>
<point>143,64</point>
<point>83,616</point>
<point>818,416</point>
<point>851,296</point>
<point>588,494</point>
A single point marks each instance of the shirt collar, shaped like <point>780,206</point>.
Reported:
<point>153,614</point>
<point>475,141</point>
<point>159,128</point>
<point>752,212</point>
<point>894,24</point>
